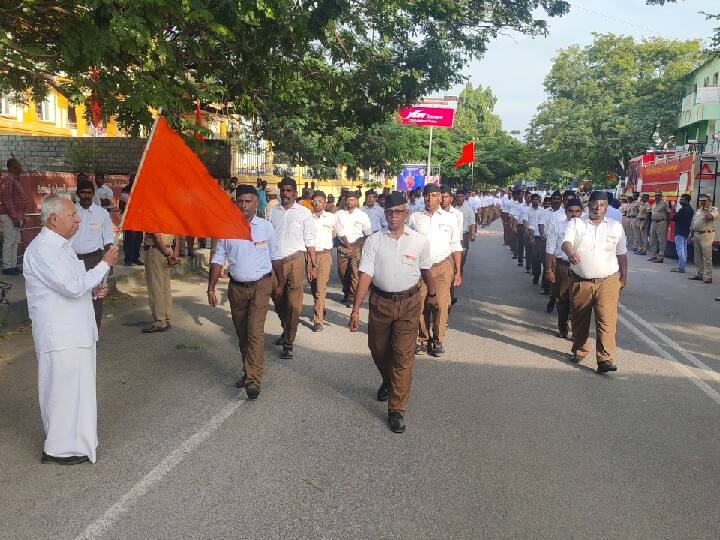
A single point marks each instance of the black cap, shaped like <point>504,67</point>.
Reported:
<point>445,189</point>
<point>287,181</point>
<point>431,188</point>
<point>574,202</point>
<point>568,193</point>
<point>599,196</point>
<point>351,194</point>
<point>245,189</point>
<point>394,199</point>
<point>84,183</point>
<point>319,193</point>
<point>556,194</point>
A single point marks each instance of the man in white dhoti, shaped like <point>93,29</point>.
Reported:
<point>59,296</point>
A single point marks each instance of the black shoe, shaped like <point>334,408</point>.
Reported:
<point>348,304</point>
<point>241,382</point>
<point>317,327</point>
<point>397,422</point>
<point>605,367</point>
<point>520,263</point>
<point>575,359</point>
<point>279,340</point>
<point>453,301</point>
<point>514,257</point>
<point>383,393</point>
<point>287,353</point>
<point>253,390</point>
<point>419,349</point>
<point>72,460</point>
<point>550,305</point>
<point>562,334</point>
<point>11,271</point>
<point>437,349</point>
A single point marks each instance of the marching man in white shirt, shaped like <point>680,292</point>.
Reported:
<point>325,231</point>
<point>295,232</point>
<point>597,251</point>
<point>95,235</point>
<point>441,229</point>
<point>251,265</point>
<point>59,297</point>
<point>374,211</point>
<point>353,225</point>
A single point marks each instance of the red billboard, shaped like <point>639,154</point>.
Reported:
<point>423,115</point>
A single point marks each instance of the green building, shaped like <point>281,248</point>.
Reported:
<point>699,120</point>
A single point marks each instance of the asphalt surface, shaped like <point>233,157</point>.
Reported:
<point>505,437</point>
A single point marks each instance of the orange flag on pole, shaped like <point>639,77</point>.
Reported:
<point>467,155</point>
<point>173,193</point>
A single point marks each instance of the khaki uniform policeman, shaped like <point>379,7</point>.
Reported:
<point>659,215</point>
<point>640,233</point>
<point>391,266</point>
<point>631,217</point>
<point>704,224</point>
<point>251,264</point>
<point>161,253</point>
<point>441,229</point>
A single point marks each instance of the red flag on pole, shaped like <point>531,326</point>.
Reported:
<point>198,121</point>
<point>174,193</point>
<point>95,100</point>
<point>467,155</point>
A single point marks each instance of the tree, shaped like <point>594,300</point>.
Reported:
<point>610,101</point>
<point>326,64</point>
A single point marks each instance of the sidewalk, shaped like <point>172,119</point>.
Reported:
<point>125,278</point>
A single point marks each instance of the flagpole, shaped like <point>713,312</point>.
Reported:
<point>472,167</point>
<point>427,173</point>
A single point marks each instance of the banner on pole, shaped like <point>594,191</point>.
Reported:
<point>423,115</point>
<point>413,176</point>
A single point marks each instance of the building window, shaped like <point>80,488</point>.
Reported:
<point>71,117</point>
<point>706,82</point>
<point>252,161</point>
<point>7,107</point>
<point>45,109</point>
<point>715,79</point>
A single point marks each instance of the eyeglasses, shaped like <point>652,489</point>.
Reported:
<point>391,212</point>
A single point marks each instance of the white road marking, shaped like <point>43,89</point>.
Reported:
<point>679,366</point>
<point>103,524</point>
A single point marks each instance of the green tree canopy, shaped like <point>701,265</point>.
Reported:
<point>610,101</point>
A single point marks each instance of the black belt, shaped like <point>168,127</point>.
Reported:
<point>412,291</point>
<point>658,220</point>
<point>83,256</point>
<point>592,280</point>
<point>562,262</point>
<point>249,283</point>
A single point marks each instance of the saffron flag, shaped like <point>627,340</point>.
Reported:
<point>467,155</point>
<point>174,193</point>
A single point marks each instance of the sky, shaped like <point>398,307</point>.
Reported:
<point>515,66</point>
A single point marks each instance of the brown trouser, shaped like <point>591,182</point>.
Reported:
<point>506,227</point>
<point>289,305</point>
<point>702,248</point>
<point>528,250</point>
<point>91,260</point>
<point>600,296</point>
<point>248,306</point>
<point>319,286</point>
<point>658,239</point>
<point>436,318</point>
<point>392,334</point>
<point>348,260</point>
<point>642,239</point>
<point>561,291</point>
<point>157,275</point>
<point>520,243</point>
<point>538,257</point>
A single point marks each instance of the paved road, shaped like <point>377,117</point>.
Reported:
<point>505,437</point>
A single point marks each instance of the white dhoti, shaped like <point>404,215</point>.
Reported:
<point>66,387</point>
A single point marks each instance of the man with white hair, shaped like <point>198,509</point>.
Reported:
<point>59,297</point>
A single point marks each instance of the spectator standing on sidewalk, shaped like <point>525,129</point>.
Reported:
<point>683,221</point>
<point>104,193</point>
<point>161,253</point>
<point>132,240</point>
<point>12,215</point>
<point>703,233</point>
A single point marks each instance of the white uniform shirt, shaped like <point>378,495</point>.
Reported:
<point>325,229</point>
<point>535,218</point>
<point>249,260</point>
<point>458,215</point>
<point>95,230</point>
<point>441,230</point>
<point>555,237</point>
<point>474,203</point>
<point>294,228</point>
<point>59,293</point>
<point>353,225</point>
<point>377,217</point>
<point>521,213</point>
<point>614,213</point>
<point>394,265</point>
<point>468,216</point>
<point>103,192</point>
<point>417,206</point>
<point>597,247</point>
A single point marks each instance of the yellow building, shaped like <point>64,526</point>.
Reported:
<point>53,116</point>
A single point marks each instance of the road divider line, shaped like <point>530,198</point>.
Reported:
<point>671,343</point>
<point>679,366</point>
<point>103,524</point>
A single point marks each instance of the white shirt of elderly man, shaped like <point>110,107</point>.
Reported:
<point>59,297</point>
